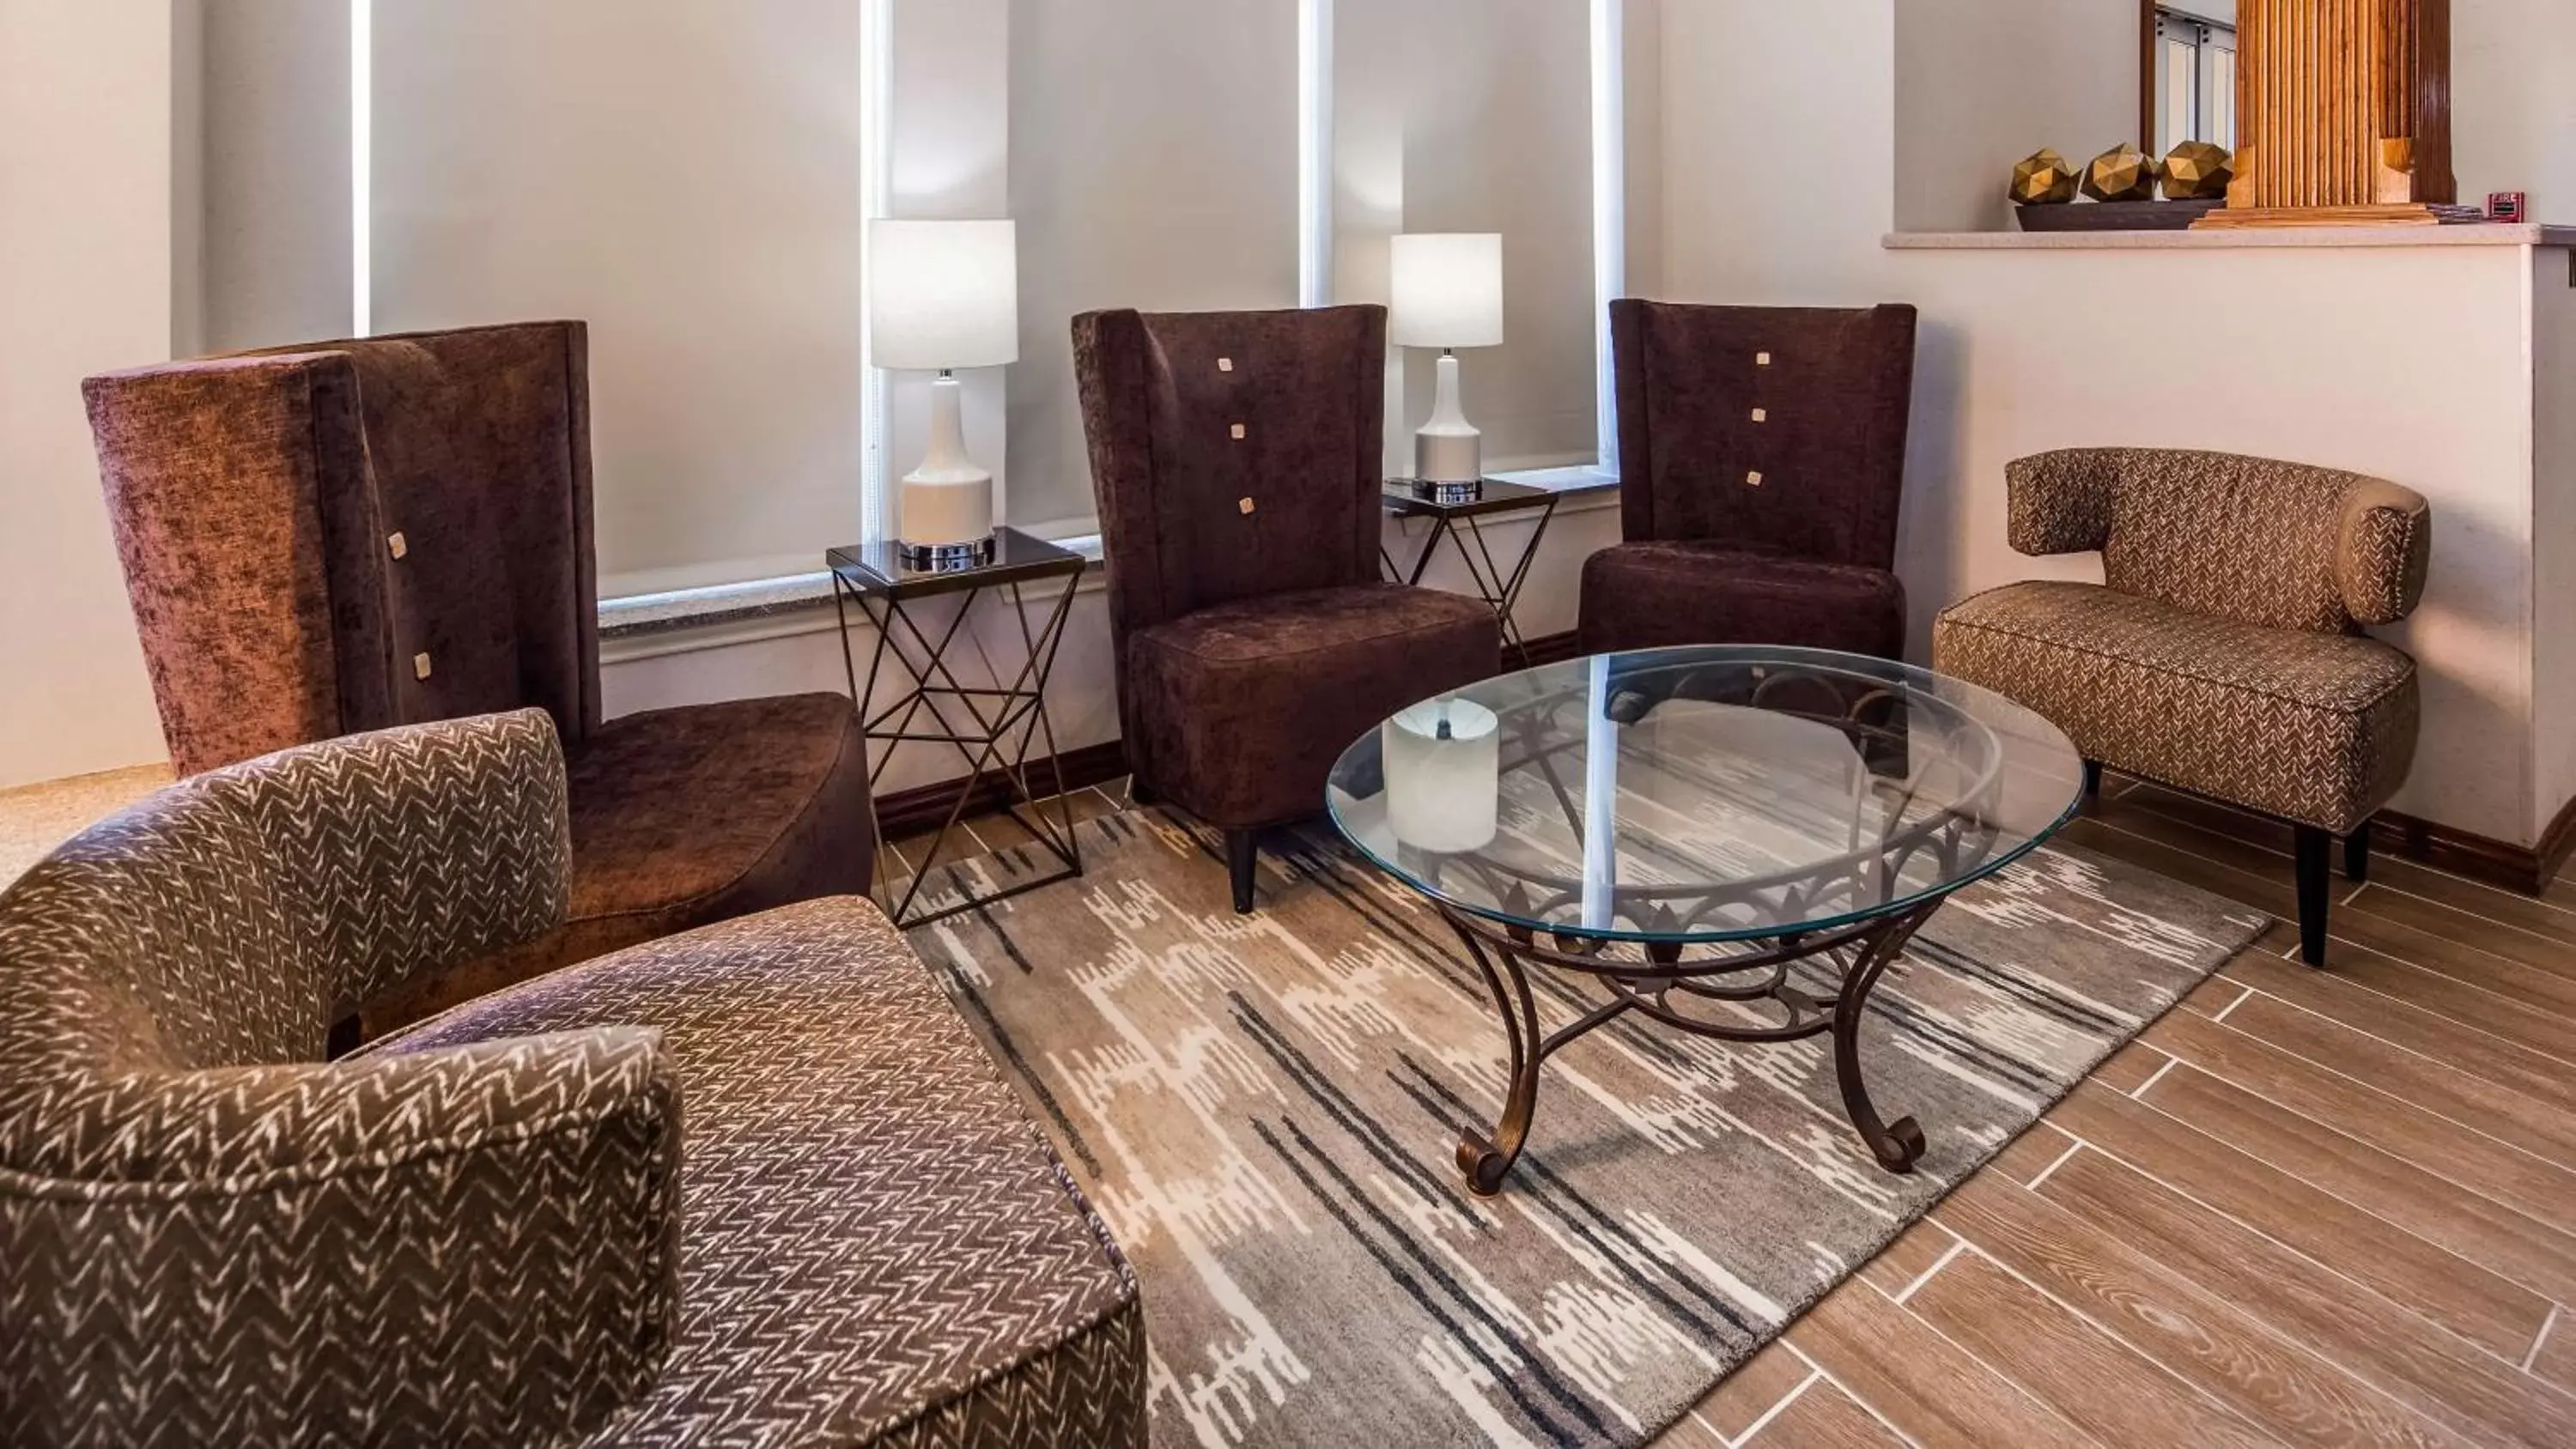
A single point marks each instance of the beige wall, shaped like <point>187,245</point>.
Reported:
<point>1982,83</point>
<point>2513,101</point>
<point>87,276</point>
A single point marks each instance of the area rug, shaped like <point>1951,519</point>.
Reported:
<point>1265,1111</point>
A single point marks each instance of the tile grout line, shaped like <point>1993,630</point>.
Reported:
<point>2110,1332</point>
<point>1866,1407</point>
<point>2337,1079</point>
<point>1957,1246</point>
<point>2540,1340</point>
<point>2045,1173</point>
<point>2449,982</point>
<point>2214,1210</point>
<point>2449,875</point>
<point>2116,829</point>
<point>1775,1411</point>
<point>2230,1008</point>
<point>2402,1004</point>
<point>2171,1062</point>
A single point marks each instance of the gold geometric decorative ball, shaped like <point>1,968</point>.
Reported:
<point>2123,173</point>
<point>2044,179</point>
<point>2198,171</point>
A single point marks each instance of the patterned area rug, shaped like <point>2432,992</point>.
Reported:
<point>1265,1110</point>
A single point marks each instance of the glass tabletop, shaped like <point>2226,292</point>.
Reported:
<point>1704,794</point>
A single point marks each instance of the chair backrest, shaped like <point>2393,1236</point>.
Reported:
<point>229,920</point>
<point>1233,454</point>
<point>347,536</point>
<point>1777,428</point>
<point>2283,545</point>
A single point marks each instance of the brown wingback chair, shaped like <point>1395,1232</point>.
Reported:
<point>1237,461</point>
<point>1762,458</point>
<point>2223,654</point>
<point>345,536</point>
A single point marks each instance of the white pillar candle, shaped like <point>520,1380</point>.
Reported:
<point>1443,761</point>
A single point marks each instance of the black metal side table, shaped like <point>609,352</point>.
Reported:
<point>992,728</point>
<point>1454,510</point>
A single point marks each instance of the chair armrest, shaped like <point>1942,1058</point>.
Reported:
<point>2383,545</point>
<point>2061,502</point>
<point>475,1244</point>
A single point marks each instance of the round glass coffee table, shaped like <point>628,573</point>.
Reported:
<point>1735,841</point>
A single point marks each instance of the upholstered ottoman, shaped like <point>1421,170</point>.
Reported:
<point>876,1245</point>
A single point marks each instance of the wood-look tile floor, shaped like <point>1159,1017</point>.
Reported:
<point>2307,1207</point>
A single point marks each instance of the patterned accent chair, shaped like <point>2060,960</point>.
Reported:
<point>2224,656</point>
<point>1762,451</point>
<point>1238,462</point>
<point>752,1183</point>
<point>343,536</point>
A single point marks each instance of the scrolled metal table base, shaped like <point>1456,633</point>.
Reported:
<point>1658,982</point>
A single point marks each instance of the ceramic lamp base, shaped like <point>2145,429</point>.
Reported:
<point>947,502</point>
<point>1448,449</point>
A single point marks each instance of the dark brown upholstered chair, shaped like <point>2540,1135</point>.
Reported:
<point>1762,459</point>
<point>349,535</point>
<point>753,1183</point>
<point>2224,656</point>
<point>1237,458</point>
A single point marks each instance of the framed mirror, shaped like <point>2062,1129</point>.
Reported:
<point>2187,73</point>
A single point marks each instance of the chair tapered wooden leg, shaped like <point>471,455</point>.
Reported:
<point>2315,854</point>
<point>2092,779</point>
<point>1242,854</point>
<point>2356,856</point>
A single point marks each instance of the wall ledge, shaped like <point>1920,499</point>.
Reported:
<point>789,604</point>
<point>2246,239</point>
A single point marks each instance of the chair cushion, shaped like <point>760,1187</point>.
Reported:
<point>1245,706</point>
<point>682,817</point>
<point>1651,595</point>
<point>2318,729</point>
<point>877,1244</point>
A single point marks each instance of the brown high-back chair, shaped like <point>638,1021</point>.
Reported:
<point>347,536</point>
<point>1762,459</point>
<point>1237,461</point>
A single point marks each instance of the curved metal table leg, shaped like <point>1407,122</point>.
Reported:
<point>1897,1145</point>
<point>1487,1160</point>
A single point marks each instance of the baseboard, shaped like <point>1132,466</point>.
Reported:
<point>2527,870</point>
<point>924,808</point>
<point>2523,869</point>
<point>912,812</point>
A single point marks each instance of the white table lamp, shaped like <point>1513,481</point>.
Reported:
<point>944,295</point>
<point>1448,294</point>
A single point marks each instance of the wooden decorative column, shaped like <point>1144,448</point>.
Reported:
<point>2343,113</point>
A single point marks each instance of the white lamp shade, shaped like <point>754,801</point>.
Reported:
<point>1449,290</point>
<point>943,294</point>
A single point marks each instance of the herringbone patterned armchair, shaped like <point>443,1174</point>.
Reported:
<point>2223,654</point>
<point>472,1233</point>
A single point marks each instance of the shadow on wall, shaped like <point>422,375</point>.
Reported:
<point>1936,458</point>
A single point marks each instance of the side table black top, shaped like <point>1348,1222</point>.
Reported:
<point>1407,499</point>
<point>877,568</point>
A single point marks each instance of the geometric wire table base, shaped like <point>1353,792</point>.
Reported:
<point>1498,587</point>
<point>1005,724</point>
<point>1662,983</point>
